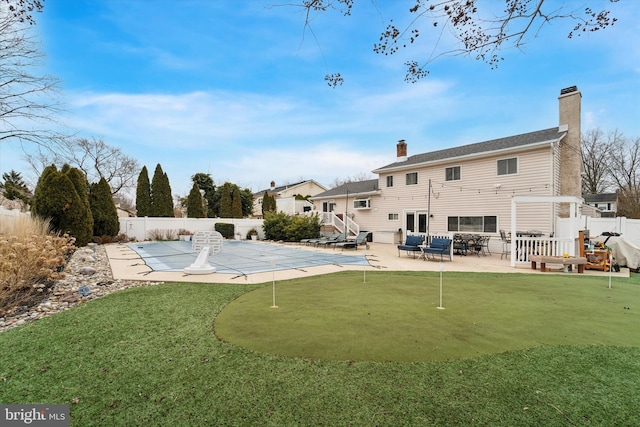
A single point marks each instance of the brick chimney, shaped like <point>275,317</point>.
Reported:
<point>570,158</point>
<point>401,150</point>
<point>570,155</point>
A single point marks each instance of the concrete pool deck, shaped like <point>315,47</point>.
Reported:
<point>126,264</point>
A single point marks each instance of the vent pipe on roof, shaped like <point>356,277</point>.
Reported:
<point>401,151</point>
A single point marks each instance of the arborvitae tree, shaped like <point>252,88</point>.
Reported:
<point>143,194</point>
<point>40,204</point>
<point>206,184</point>
<point>226,210</point>
<point>268,203</point>
<point>195,203</point>
<point>103,209</point>
<point>83,223</point>
<point>168,204</point>
<point>236,203</point>
<point>161,199</point>
<point>56,197</point>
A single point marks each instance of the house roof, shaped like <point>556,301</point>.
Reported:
<point>350,188</point>
<point>286,187</point>
<point>600,198</point>
<point>510,142</point>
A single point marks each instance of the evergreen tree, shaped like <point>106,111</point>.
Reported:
<point>247,202</point>
<point>268,203</point>
<point>206,184</point>
<point>143,194</point>
<point>195,203</point>
<point>40,205</point>
<point>80,219</point>
<point>236,203</point>
<point>161,199</point>
<point>226,210</point>
<point>103,209</point>
<point>14,187</point>
<point>61,197</point>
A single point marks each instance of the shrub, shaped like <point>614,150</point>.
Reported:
<point>275,225</point>
<point>281,226</point>
<point>227,230</point>
<point>161,234</point>
<point>62,196</point>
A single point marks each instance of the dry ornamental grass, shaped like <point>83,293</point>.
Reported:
<point>31,260</point>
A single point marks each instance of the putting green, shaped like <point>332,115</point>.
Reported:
<point>395,316</point>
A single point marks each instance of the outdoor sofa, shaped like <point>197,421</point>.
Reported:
<point>438,246</point>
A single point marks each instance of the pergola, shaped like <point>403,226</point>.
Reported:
<point>574,219</point>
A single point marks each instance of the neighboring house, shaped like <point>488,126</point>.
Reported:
<point>606,203</point>
<point>285,196</point>
<point>469,189</point>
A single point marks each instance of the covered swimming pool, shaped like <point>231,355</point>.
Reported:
<point>242,257</point>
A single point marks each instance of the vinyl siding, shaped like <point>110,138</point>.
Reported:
<point>475,194</point>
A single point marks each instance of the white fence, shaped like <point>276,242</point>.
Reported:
<point>7,216</point>
<point>4,212</point>
<point>141,228</point>
<point>629,229</point>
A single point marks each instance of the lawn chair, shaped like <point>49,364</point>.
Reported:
<point>361,239</point>
<point>411,244</point>
<point>319,239</point>
<point>341,238</point>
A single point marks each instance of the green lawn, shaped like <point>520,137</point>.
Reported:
<point>394,316</point>
<point>148,356</point>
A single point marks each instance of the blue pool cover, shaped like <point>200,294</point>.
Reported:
<point>241,257</point>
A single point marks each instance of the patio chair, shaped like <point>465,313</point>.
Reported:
<point>411,244</point>
<point>341,238</point>
<point>506,244</point>
<point>484,245</point>
<point>315,241</point>
<point>361,239</point>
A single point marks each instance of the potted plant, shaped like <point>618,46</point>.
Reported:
<point>252,234</point>
<point>184,234</point>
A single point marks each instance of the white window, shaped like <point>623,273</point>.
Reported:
<point>412,178</point>
<point>362,204</point>
<point>393,217</point>
<point>477,224</point>
<point>508,166</point>
<point>390,181</point>
<point>452,174</point>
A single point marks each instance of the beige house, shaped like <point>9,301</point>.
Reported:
<point>288,197</point>
<point>467,189</point>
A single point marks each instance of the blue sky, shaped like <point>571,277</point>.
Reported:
<point>235,88</point>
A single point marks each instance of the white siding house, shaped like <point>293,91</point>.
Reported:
<point>468,188</point>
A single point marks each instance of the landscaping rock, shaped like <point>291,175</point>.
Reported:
<point>65,293</point>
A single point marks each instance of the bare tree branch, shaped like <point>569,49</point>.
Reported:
<point>478,29</point>
<point>95,158</point>
<point>29,103</point>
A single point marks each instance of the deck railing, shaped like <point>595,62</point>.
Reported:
<point>522,247</point>
<point>333,220</point>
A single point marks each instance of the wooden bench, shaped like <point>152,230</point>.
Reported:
<point>567,262</point>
